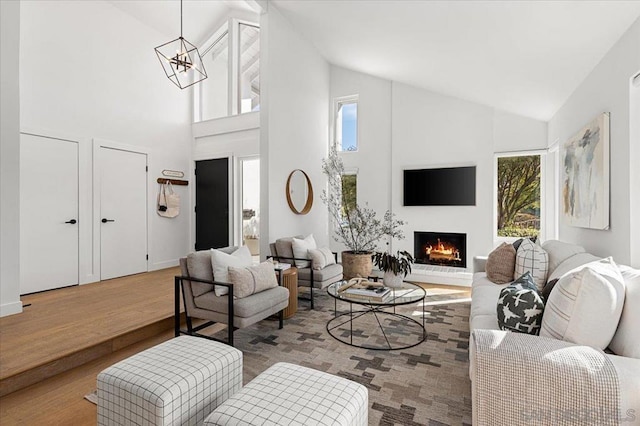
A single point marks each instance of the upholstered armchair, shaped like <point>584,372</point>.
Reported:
<point>196,286</point>
<point>282,251</point>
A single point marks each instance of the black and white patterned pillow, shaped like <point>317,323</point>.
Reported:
<point>520,306</point>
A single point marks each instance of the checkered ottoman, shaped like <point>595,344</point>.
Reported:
<point>287,394</point>
<point>178,382</point>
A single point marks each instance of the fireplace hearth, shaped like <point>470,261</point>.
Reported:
<point>440,248</point>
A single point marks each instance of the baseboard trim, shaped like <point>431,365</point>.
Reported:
<point>164,265</point>
<point>10,308</point>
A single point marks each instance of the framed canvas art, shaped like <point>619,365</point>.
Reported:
<point>585,176</point>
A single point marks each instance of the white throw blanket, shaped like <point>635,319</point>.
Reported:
<point>530,380</point>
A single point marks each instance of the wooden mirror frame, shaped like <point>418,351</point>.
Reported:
<point>307,207</point>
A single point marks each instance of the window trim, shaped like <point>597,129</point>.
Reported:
<point>543,205</point>
<point>336,108</point>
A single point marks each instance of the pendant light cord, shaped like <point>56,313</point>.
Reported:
<point>180,18</point>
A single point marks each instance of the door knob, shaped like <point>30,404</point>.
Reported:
<point>105,220</point>
<point>72,221</point>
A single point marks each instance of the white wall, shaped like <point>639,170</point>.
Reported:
<point>433,130</point>
<point>402,127</point>
<point>294,128</point>
<point>89,70</point>
<point>373,158</point>
<point>10,159</point>
<point>634,160</point>
<point>606,89</point>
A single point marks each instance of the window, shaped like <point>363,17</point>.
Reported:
<point>518,195</point>
<point>349,192</point>
<point>249,68</point>
<point>214,90</point>
<point>346,124</point>
<point>231,58</point>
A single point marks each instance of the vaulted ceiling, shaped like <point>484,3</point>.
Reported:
<point>525,57</point>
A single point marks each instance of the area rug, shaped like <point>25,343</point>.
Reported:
<point>424,385</point>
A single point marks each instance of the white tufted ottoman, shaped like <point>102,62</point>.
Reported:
<point>288,394</point>
<point>178,382</point>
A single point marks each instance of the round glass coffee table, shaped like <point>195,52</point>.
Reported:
<point>370,312</point>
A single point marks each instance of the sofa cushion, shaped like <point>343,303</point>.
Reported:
<point>585,305</point>
<point>484,299</point>
<point>321,258</point>
<point>520,306</point>
<point>221,261</point>
<point>253,279</point>
<point>559,251</point>
<point>301,249</point>
<point>327,274</point>
<point>532,258</point>
<point>245,307</point>
<point>571,263</point>
<point>626,340</point>
<point>501,264</point>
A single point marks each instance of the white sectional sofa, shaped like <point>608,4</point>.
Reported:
<point>563,257</point>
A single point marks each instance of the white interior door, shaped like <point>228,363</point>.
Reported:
<point>123,213</point>
<point>48,213</point>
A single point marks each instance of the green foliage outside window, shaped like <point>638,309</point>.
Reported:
<point>349,192</point>
<point>519,196</point>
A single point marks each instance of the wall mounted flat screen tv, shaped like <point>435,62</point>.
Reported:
<point>451,186</point>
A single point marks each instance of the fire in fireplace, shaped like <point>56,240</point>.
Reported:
<point>440,248</point>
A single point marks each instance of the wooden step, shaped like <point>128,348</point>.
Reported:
<point>65,328</point>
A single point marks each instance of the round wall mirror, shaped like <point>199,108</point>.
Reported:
<point>299,192</point>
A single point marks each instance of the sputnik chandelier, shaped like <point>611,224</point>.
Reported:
<point>181,60</point>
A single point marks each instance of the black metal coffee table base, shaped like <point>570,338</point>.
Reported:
<point>375,311</point>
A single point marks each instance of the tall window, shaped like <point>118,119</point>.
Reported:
<point>214,90</point>
<point>346,124</point>
<point>518,189</point>
<point>249,68</point>
<point>349,192</point>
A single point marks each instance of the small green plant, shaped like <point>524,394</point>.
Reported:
<point>398,264</point>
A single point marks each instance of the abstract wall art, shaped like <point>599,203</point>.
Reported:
<point>585,176</point>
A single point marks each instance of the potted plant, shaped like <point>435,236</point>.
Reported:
<point>357,227</point>
<point>395,267</point>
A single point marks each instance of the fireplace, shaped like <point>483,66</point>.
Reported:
<point>440,248</point>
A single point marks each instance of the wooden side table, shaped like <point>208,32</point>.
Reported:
<point>290,281</point>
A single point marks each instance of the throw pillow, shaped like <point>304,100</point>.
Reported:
<point>626,340</point>
<point>520,307</point>
<point>220,262</point>
<point>253,279</point>
<point>585,305</point>
<point>532,258</point>
<point>301,250</point>
<point>516,243</point>
<point>548,287</point>
<point>320,258</point>
<point>501,263</point>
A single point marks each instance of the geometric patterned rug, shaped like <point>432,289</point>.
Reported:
<point>424,385</point>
